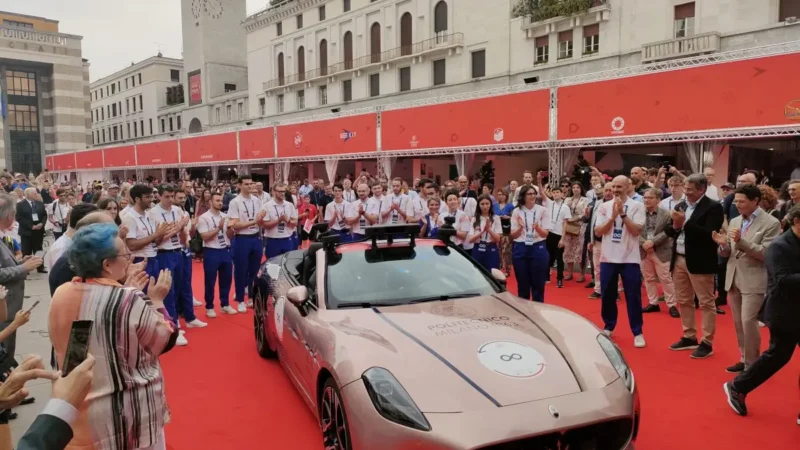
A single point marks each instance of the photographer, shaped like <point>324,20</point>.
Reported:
<point>58,213</point>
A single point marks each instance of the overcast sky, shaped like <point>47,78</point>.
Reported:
<point>116,32</point>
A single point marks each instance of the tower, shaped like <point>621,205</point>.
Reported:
<point>214,53</point>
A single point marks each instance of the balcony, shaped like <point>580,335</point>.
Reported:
<point>547,21</point>
<point>681,47</point>
<point>435,44</point>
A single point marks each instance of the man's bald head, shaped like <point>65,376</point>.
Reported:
<point>621,185</point>
<point>95,217</point>
<point>608,192</point>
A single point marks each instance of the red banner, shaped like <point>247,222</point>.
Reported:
<point>48,163</point>
<point>64,161</point>
<point>157,153</point>
<point>256,144</point>
<point>122,157</point>
<point>505,119</point>
<point>353,134</point>
<point>89,159</point>
<point>209,149</point>
<point>195,88</point>
<point>742,94</point>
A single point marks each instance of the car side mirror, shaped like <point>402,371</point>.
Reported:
<point>298,296</point>
<point>499,276</point>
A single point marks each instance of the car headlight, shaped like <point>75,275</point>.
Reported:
<point>392,401</point>
<point>617,360</point>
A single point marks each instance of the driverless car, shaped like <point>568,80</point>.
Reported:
<point>399,342</point>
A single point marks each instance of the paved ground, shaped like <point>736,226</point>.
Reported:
<point>33,338</point>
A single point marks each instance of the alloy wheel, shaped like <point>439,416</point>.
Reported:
<point>334,424</point>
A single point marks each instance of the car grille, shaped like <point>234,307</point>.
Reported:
<point>611,435</point>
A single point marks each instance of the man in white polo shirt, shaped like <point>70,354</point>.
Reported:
<point>245,215</point>
<point>619,222</point>
<point>360,211</point>
<point>399,204</point>
<point>280,221</point>
<point>213,229</point>
<point>143,235</point>
<point>559,213</point>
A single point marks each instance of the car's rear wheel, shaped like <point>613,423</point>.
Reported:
<point>259,322</point>
<point>333,418</point>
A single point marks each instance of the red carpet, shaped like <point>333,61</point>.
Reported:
<point>223,396</point>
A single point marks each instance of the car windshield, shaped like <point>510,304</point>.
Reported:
<point>401,275</point>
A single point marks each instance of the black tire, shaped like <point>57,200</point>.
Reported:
<point>259,325</point>
<point>333,418</point>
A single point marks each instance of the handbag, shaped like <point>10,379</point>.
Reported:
<point>573,228</point>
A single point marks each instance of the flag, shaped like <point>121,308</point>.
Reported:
<point>2,103</point>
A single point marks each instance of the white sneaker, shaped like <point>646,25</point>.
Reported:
<point>210,313</point>
<point>228,310</point>
<point>242,308</point>
<point>181,341</point>
<point>196,323</point>
<point>638,341</point>
<point>196,302</point>
<point>181,332</point>
<point>608,333</point>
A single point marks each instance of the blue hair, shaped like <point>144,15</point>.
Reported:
<point>90,246</point>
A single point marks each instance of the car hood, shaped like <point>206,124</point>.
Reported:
<point>467,354</point>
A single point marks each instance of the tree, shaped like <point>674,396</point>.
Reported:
<point>539,10</point>
<point>486,173</point>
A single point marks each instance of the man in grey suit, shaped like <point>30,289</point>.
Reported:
<point>12,272</point>
<point>748,237</point>
<point>656,252</point>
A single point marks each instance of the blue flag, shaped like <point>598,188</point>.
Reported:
<point>2,103</point>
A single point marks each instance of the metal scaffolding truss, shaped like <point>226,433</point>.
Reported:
<point>707,135</point>
<point>498,148</point>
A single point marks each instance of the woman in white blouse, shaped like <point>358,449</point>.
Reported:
<point>485,234</point>
<point>453,201</point>
<point>529,225</point>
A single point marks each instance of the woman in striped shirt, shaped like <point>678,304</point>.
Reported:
<point>126,408</point>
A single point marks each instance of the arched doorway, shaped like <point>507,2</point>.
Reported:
<point>301,63</point>
<point>195,126</point>
<point>348,50</point>
<point>280,69</point>
<point>375,42</point>
<point>323,57</point>
<point>406,35</point>
<point>440,17</point>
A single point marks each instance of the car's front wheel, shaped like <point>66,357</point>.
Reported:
<point>333,418</point>
<point>259,322</point>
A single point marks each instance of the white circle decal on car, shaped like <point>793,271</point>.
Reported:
<point>279,307</point>
<point>511,359</point>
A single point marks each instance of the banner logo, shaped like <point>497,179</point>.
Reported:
<point>617,125</point>
<point>298,140</point>
<point>346,135</point>
<point>498,134</point>
<point>792,110</point>
<point>414,142</point>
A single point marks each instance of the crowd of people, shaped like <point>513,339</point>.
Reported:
<point>123,257</point>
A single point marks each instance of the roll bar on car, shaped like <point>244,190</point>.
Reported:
<point>392,232</point>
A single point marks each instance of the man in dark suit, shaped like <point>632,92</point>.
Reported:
<point>782,314</point>
<point>31,217</point>
<point>694,263</point>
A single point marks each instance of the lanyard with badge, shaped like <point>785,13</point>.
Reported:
<point>34,216</point>
<point>220,234</point>
<point>433,228</point>
<point>483,243</point>
<point>395,217</point>
<point>342,225</point>
<point>553,210</point>
<point>362,221</point>
<point>247,212</point>
<point>529,231</point>
<point>150,229</point>
<point>281,225</point>
<point>616,234</point>
<point>174,239</point>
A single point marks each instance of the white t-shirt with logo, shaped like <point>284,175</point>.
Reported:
<point>559,212</point>
<point>468,205</point>
<point>496,227</point>
<point>539,214</point>
<point>59,213</point>
<point>159,215</point>
<point>274,211</point>
<point>402,201</point>
<point>353,211</point>
<point>207,222</point>
<point>140,226</point>
<point>245,210</point>
<point>330,212</point>
<point>462,223</point>
<point>619,245</point>
<point>379,206</point>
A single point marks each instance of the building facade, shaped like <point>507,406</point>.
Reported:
<point>125,105</point>
<point>309,57</point>
<point>45,88</point>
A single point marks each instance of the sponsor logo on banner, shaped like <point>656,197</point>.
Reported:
<point>347,135</point>
<point>206,156</point>
<point>618,125</point>
<point>298,140</point>
<point>792,110</point>
<point>498,134</point>
<point>414,142</point>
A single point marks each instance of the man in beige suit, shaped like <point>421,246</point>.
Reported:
<point>656,251</point>
<point>744,245</point>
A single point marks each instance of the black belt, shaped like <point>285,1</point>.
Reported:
<point>174,250</point>
<point>215,248</point>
